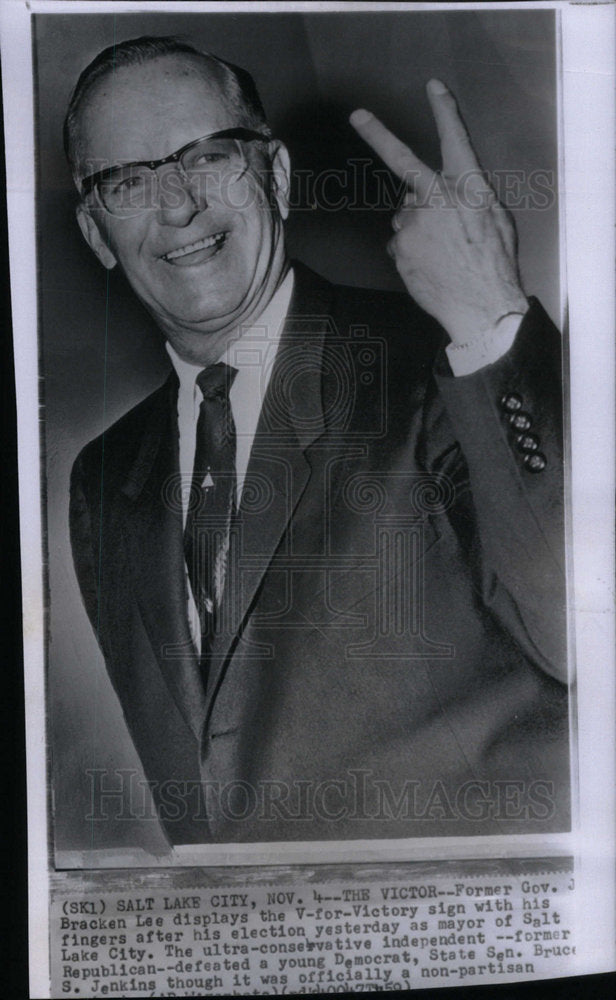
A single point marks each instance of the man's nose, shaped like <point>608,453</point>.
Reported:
<point>179,200</point>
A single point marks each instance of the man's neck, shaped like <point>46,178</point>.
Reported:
<point>203,348</point>
<point>265,329</point>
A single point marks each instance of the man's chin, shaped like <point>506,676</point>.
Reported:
<point>192,300</point>
<point>200,320</point>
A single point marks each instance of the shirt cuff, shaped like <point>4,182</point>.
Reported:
<point>486,349</point>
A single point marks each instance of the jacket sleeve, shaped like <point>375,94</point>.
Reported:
<point>507,419</point>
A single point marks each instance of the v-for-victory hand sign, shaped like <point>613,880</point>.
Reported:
<point>454,245</point>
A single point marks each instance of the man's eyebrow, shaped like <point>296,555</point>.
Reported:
<point>233,131</point>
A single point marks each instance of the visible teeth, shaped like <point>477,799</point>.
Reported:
<point>192,247</point>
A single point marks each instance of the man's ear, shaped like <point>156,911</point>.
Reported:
<point>93,238</point>
<point>281,178</point>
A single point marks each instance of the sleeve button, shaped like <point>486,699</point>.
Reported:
<point>521,421</point>
<point>535,462</point>
<point>527,442</point>
<point>511,402</point>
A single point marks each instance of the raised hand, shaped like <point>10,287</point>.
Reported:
<point>454,244</point>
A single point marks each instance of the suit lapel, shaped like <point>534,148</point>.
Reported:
<point>279,468</point>
<point>153,536</point>
<point>277,475</point>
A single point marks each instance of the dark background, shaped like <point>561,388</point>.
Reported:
<point>99,350</point>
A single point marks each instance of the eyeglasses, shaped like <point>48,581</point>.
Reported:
<point>209,165</point>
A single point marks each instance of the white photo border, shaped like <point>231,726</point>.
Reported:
<point>587,257</point>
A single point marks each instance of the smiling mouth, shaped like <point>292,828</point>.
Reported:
<point>205,248</point>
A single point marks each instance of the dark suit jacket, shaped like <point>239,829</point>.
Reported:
<point>391,658</point>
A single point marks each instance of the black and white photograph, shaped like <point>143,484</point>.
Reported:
<point>306,344</point>
<point>358,629</point>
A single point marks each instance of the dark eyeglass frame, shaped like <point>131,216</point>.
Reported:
<point>89,183</point>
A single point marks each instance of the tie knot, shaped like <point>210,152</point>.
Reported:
<point>215,382</point>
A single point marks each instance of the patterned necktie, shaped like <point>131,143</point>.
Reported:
<point>212,498</point>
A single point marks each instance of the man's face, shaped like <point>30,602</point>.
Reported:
<point>145,112</point>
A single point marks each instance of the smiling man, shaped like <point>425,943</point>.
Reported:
<point>203,268</point>
<point>324,560</point>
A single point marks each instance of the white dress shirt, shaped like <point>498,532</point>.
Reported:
<point>465,359</point>
<point>252,353</point>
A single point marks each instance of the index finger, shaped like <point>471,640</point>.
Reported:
<point>398,157</point>
<point>457,152</point>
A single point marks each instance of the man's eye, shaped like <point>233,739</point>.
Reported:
<point>209,159</point>
<point>128,185</point>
